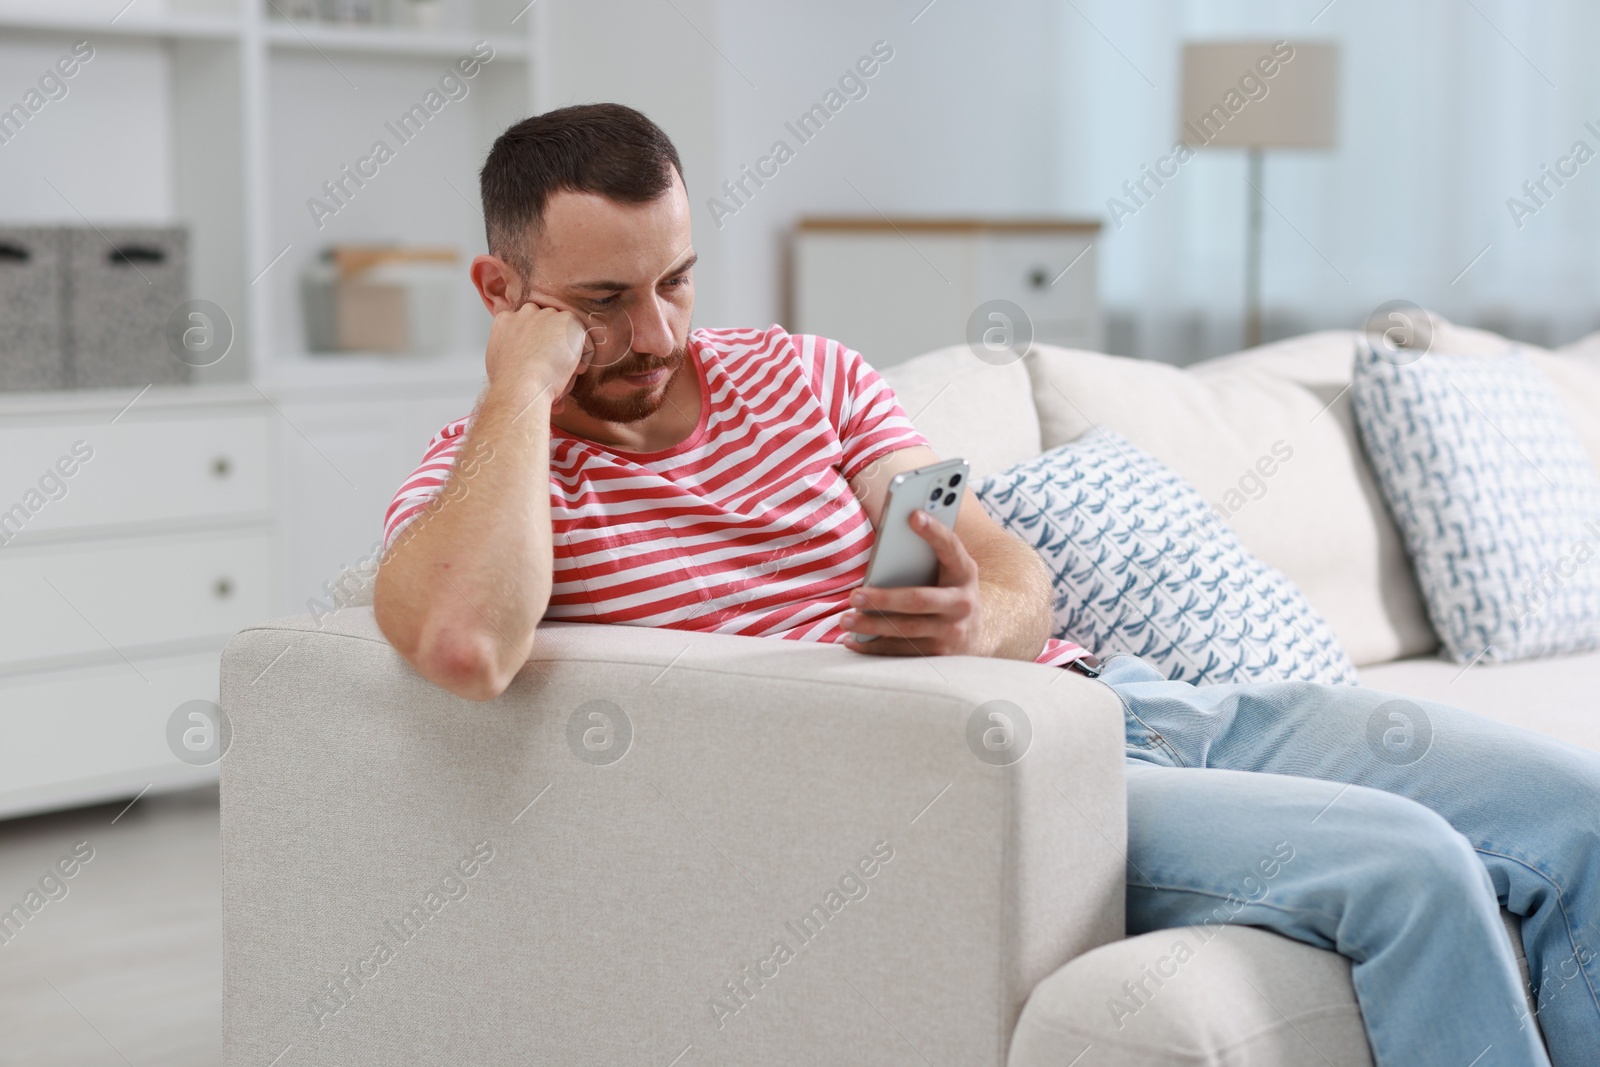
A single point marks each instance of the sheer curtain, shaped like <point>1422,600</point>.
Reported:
<point>1447,107</point>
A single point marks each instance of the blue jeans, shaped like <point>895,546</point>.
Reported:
<point>1388,830</point>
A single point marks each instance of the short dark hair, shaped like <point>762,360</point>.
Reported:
<point>608,149</point>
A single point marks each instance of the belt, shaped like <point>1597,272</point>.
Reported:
<point>1087,666</point>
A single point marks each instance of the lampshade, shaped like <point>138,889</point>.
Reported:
<point>1260,94</point>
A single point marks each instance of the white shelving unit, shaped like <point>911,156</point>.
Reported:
<point>261,111</point>
<point>219,116</point>
<point>82,21</point>
<point>386,40</point>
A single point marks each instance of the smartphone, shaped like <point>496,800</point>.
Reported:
<point>900,557</point>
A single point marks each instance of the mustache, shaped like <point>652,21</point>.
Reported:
<point>636,363</point>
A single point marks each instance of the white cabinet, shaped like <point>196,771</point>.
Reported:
<point>210,508</point>
<point>198,511</point>
<point>135,539</point>
<point>126,592</point>
<point>211,465</point>
<point>895,288</point>
<point>97,732</point>
<point>357,433</point>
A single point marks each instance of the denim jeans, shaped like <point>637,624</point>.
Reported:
<point>1386,829</point>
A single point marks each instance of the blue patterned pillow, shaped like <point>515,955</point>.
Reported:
<point>1498,504</point>
<point>1142,564</point>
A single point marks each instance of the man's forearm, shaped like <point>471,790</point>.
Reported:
<point>1015,588</point>
<point>461,591</point>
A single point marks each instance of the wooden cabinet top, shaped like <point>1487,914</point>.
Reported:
<point>925,224</point>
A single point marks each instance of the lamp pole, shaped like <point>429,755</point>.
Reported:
<point>1252,255</point>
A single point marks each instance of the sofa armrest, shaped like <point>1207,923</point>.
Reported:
<point>797,858</point>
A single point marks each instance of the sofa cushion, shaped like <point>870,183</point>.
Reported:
<point>1318,516</point>
<point>1302,1008</point>
<point>1496,497</point>
<point>1141,564</point>
<point>1246,998</point>
<point>1575,373</point>
<point>1553,696</point>
<point>965,407</point>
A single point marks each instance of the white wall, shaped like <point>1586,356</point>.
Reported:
<point>650,57</point>
<point>94,143</point>
<point>957,122</point>
<point>1446,108</point>
<point>995,108</point>
<point>1027,106</point>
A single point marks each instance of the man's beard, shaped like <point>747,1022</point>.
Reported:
<point>640,404</point>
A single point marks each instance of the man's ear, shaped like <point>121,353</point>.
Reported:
<point>497,283</point>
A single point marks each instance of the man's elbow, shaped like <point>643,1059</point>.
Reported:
<point>452,656</point>
<point>466,663</point>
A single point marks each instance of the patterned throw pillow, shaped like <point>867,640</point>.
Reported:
<point>1141,564</point>
<point>1498,504</point>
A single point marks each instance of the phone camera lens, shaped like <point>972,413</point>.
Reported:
<point>950,498</point>
<point>936,491</point>
<point>955,480</point>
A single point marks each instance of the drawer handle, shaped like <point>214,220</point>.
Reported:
<point>14,253</point>
<point>221,466</point>
<point>130,255</point>
<point>1039,278</point>
<point>223,589</point>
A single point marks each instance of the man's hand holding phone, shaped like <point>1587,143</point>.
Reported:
<point>940,620</point>
<point>921,595</point>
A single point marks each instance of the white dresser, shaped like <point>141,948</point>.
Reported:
<point>895,288</point>
<point>198,511</point>
<point>352,429</point>
<point>208,508</point>
<point>134,540</point>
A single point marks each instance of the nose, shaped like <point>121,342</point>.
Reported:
<point>652,327</point>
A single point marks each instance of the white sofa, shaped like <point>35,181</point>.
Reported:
<point>624,900</point>
<point>1319,517</point>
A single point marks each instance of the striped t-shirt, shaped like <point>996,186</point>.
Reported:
<point>748,526</point>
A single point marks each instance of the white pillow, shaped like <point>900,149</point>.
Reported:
<point>1226,426</point>
<point>1495,496</point>
<point>1141,564</point>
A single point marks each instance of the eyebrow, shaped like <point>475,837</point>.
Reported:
<point>621,286</point>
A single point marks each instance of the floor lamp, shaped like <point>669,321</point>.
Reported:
<point>1258,95</point>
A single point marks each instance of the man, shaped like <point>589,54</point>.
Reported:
<point>621,468</point>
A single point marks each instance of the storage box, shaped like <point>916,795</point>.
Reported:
<point>31,309</point>
<point>374,299</point>
<point>122,284</point>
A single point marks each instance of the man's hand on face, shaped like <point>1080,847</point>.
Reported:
<point>537,349</point>
<point>942,620</point>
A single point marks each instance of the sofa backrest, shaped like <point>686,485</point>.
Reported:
<point>1268,436</point>
<point>1269,439</point>
<point>980,411</point>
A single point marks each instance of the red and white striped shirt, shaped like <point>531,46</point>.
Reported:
<point>748,526</point>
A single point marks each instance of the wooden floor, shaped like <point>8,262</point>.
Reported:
<point>126,968</point>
